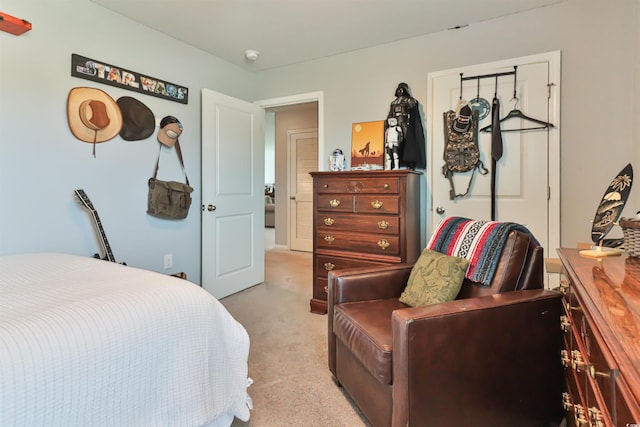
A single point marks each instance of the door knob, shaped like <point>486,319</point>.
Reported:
<point>211,208</point>
<point>439,210</point>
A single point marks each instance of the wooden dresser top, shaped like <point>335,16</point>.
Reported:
<point>366,173</point>
<point>610,289</point>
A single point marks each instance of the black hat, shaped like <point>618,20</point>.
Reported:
<point>138,121</point>
<point>462,123</point>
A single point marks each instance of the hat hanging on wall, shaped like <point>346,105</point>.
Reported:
<point>170,130</point>
<point>93,115</point>
<point>138,121</point>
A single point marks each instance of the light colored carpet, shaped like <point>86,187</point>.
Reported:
<point>288,355</point>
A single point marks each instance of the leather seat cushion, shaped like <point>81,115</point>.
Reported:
<point>364,327</point>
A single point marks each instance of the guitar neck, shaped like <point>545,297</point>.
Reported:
<point>103,237</point>
<point>84,199</point>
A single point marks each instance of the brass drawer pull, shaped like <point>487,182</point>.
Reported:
<point>386,186</point>
<point>570,307</point>
<point>329,221</point>
<point>326,289</point>
<point>564,357</point>
<point>577,363</point>
<point>565,323</point>
<point>329,238</point>
<point>383,244</point>
<point>596,419</point>
<point>566,401</point>
<point>579,415</point>
<point>564,286</point>
<point>376,204</point>
<point>329,266</point>
<point>334,203</point>
<point>326,186</point>
<point>383,225</point>
<point>593,373</point>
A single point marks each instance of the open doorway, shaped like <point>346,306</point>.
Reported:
<point>285,116</point>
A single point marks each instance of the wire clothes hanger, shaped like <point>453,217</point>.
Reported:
<point>517,114</point>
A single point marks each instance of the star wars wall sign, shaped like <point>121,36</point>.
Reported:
<point>101,72</point>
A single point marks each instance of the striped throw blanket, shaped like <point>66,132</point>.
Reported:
<point>481,242</point>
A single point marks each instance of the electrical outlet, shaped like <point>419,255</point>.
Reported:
<point>168,261</point>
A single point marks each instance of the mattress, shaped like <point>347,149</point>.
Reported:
<point>86,342</point>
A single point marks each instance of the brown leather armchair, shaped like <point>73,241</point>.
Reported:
<point>489,358</point>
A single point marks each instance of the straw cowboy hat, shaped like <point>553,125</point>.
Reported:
<point>138,121</point>
<point>93,115</point>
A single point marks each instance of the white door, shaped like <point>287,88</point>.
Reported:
<point>232,194</point>
<point>527,176</point>
<point>303,158</point>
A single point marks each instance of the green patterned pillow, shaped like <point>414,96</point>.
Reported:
<point>435,278</point>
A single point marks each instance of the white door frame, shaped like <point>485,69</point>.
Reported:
<point>301,98</point>
<point>553,215</point>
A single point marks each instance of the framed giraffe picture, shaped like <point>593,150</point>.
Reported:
<point>367,145</point>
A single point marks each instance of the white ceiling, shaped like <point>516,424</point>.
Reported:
<point>285,32</point>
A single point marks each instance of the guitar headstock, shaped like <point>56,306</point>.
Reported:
<point>84,199</point>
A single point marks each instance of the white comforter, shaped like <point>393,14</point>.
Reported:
<point>85,342</point>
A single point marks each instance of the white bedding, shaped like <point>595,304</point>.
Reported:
<point>86,342</point>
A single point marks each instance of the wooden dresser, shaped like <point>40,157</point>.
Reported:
<point>602,339</point>
<point>362,218</point>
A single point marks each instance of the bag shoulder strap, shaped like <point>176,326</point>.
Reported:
<point>179,151</point>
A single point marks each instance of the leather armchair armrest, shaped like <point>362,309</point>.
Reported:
<point>492,359</point>
<point>368,283</point>
<point>362,284</point>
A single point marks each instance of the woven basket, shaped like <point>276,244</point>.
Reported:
<point>631,233</point>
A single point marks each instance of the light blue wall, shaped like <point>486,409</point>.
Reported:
<point>600,91</point>
<point>41,162</point>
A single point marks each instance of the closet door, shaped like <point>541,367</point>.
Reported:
<point>527,175</point>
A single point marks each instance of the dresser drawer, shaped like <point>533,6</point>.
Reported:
<point>600,365</point>
<point>328,222</point>
<point>593,377</point>
<point>381,185</point>
<point>320,288</point>
<point>358,204</point>
<point>573,401</point>
<point>585,401</point>
<point>377,204</point>
<point>325,264</point>
<point>334,203</point>
<point>363,243</point>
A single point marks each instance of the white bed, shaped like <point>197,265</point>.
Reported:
<point>86,342</point>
